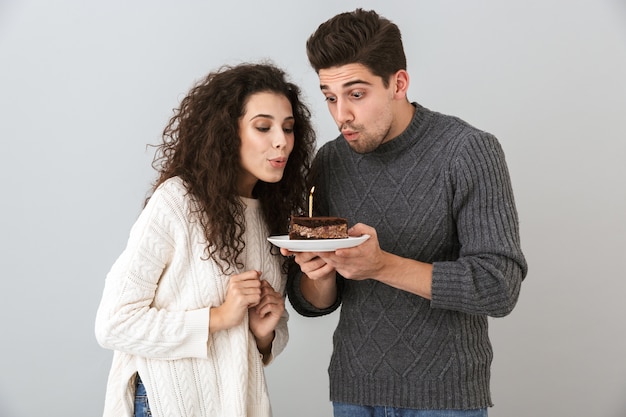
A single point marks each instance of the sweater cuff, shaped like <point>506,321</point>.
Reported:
<point>197,329</point>
<point>301,305</point>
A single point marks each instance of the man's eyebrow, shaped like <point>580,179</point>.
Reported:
<point>347,84</point>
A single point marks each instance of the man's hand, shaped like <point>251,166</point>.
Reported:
<point>369,261</point>
<point>359,262</point>
<point>314,267</point>
<point>318,283</point>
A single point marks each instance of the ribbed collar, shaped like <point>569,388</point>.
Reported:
<point>413,132</point>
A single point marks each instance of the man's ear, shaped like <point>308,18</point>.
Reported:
<point>400,82</point>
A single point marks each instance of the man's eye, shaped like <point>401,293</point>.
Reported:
<point>357,94</point>
<point>331,99</point>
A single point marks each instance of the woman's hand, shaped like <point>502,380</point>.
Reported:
<point>244,291</point>
<point>264,317</point>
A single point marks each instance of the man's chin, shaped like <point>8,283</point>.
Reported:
<point>359,147</point>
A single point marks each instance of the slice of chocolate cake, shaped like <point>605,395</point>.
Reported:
<point>322,227</point>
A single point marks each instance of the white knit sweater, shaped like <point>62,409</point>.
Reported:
<point>154,314</point>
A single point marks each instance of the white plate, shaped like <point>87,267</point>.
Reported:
<point>316,245</point>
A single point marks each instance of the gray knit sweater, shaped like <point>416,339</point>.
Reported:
<point>438,193</point>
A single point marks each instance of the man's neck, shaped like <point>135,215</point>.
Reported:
<point>403,112</point>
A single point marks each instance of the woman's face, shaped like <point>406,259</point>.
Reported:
<point>266,133</point>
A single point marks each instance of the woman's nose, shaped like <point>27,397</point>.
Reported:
<point>280,140</point>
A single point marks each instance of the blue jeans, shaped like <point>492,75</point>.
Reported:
<point>351,410</point>
<point>142,408</point>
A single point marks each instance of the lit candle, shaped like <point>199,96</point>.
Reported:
<point>311,201</point>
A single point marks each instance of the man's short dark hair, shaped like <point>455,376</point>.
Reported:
<point>361,37</point>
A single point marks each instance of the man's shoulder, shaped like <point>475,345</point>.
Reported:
<point>333,143</point>
<point>452,121</point>
<point>332,146</point>
<point>457,131</point>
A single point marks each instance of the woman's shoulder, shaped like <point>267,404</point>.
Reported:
<point>172,192</point>
<point>173,184</point>
<point>172,187</point>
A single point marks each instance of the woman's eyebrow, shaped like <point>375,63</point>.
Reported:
<point>263,116</point>
<point>269,116</point>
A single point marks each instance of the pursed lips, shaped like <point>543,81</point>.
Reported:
<point>349,134</point>
<point>278,162</point>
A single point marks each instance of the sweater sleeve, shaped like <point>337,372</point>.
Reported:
<point>127,319</point>
<point>487,276</point>
<point>281,337</point>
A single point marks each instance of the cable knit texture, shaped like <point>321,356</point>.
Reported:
<point>438,193</point>
<point>154,314</point>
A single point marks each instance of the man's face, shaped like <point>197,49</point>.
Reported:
<point>361,105</point>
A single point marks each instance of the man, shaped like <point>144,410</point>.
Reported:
<point>435,196</point>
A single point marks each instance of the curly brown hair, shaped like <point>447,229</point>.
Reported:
<point>201,145</point>
<point>361,37</point>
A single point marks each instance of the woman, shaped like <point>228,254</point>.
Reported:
<point>194,306</point>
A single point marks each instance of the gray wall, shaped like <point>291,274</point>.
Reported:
<point>84,86</point>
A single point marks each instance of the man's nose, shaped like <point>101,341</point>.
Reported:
<point>344,112</point>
